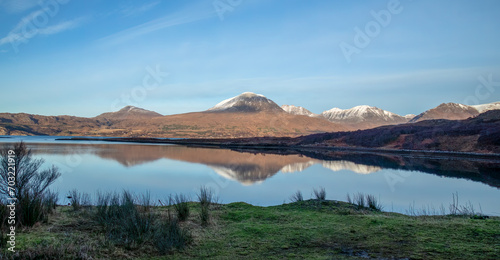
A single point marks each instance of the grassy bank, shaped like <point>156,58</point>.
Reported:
<point>304,229</point>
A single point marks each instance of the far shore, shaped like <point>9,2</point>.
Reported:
<point>280,143</point>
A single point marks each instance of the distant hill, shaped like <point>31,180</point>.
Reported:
<point>247,102</point>
<point>451,111</point>
<point>28,124</point>
<point>129,112</point>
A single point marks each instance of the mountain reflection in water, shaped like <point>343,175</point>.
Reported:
<point>249,167</point>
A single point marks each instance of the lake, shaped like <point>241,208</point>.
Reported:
<point>268,177</point>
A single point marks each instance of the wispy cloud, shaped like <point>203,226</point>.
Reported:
<point>27,29</point>
<point>180,18</point>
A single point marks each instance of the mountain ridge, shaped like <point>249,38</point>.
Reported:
<point>245,115</point>
<point>363,117</point>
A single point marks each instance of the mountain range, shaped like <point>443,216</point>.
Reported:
<point>366,117</point>
<point>246,115</point>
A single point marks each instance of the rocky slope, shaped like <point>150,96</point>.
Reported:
<point>450,111</point>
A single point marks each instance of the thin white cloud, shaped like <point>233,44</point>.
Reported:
<point>27,28</point>
<point>154,25</point>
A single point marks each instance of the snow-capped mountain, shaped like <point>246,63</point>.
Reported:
<point>410,116</point>
<point>450,111</point>
<point>297,110</point>
<point>363,116</point>
<point>129,112</point>
<point>487,107</point>
<point>246,102</point>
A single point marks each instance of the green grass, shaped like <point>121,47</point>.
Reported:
<point>335,230</point>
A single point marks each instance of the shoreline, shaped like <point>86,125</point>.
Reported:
<point>246,143</point>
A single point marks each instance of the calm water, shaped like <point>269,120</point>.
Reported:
<point>267,178</point>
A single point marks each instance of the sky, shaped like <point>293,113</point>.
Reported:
<point>83,58</point>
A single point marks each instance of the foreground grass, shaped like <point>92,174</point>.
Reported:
<point>304,229</point>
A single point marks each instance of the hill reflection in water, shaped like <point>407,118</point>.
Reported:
<point>249,167</point>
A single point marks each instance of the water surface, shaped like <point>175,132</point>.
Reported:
<point>268,177</point>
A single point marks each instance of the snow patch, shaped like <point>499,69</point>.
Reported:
<point>359,113</point>
<point>487,107</point>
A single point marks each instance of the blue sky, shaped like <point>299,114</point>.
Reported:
<point>87,57</point>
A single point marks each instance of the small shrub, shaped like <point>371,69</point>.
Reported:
<point>132,225</point>
<point>31,210</point>
<point>145,202</point>
<point>78,200</point>
<point>297,197</point>
<point>50,200</point>
<point>169,236</point>
<point>359,200</point>
<point>34,201</point>
<point>122,220</point>
<point>373,203</point>
<point>206,197</point>
<point>320,194</point>
<point>181,206</point>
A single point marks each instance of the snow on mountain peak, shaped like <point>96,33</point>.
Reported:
<point>246,102</point>
<point>362,113</point>
<point>333,110</point>
<point>298,110</point>
<point>409,116</point>
<point>487,107</point>
<point>250,94</point>
<point>129,112</point>
<point>133,109</point>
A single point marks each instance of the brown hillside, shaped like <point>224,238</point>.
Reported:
<point>229,125</point>
<point>200,124</point>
